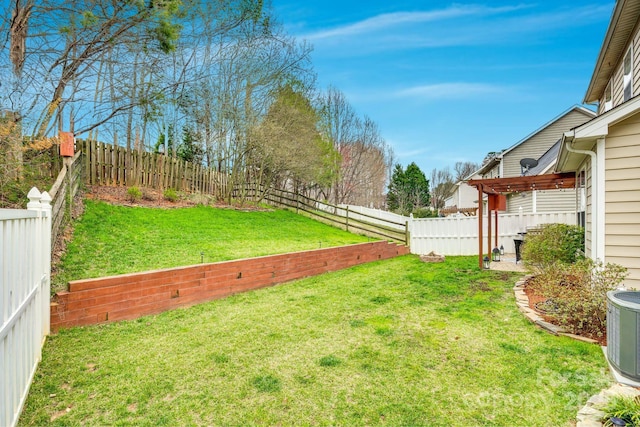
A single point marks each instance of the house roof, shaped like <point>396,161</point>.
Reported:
<point>496,160</point>
<point>546,161</point>
<point>623,20</point>
<point>584,136</point>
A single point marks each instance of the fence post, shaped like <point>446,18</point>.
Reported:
<point>407,233</point>
<point>347,219</point>
<point>41,204</point>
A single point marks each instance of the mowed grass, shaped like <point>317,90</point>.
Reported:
<point>112,239</point>
<point>395,342</point>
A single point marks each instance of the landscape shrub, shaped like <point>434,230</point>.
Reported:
<point>555,243</point>
<point>626,408</point>
<point>171,195</point>
<point>425,213</point>
<point>577,292</point>
<point>134,194</point>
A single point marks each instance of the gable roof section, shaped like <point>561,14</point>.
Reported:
<point>546,161</point>
<point>623,20</point>
<point>590,131</point>
<point>583,110</point>
<point>496,160</point>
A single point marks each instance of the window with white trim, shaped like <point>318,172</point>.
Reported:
<point>608,97</point>
<point>627,76</point>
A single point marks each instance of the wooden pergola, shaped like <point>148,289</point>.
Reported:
<point>496,190</point>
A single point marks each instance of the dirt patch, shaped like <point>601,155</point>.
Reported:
<point>152,198</point>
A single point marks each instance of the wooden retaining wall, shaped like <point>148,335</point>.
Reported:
<point>130,296</point>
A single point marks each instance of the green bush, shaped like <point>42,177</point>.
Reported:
<point>134,194</point>
<point>170,195</point>
<point>577,294</point>
<point>425,213</point>
<point>555,243</point>
<point>624,407</point>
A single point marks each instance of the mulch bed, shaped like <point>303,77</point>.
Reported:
<point>535,301</point>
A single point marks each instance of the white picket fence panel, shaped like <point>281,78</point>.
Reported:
<point>25,260</point>
<point>459,235</point>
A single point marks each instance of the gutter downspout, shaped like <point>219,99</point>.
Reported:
<point>595,240</point>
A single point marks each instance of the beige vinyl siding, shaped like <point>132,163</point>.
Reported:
<point>588,205</point>
<point>556,201</point>
<point>493,173</point>
<point>601,105</point>
<point>636,62</point>
<point>517,201</point>
<point>538,144</point>
<point>622,197</point>
<point>618,91</point>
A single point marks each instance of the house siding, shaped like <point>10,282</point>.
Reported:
<point>556,200</point>
<point>493,172</point>
<point>622,197</point>
<point>517,201</point>
<point>617,79</point>
<point>636,62</point>
<point>618,94</point>
<point>539,143</point>
<point>586,165</point>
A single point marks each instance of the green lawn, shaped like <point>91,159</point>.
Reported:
<point>117,239</point>
<point>396,342</point>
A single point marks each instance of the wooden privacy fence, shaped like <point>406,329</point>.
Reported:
<point>459,235</point>
<point>106,164</point>
<point>25,259</point>
<point>357,222</point>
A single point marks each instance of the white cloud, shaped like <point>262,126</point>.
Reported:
<point>412,153</point>
<point>396,19</point>
<point>449,90</point>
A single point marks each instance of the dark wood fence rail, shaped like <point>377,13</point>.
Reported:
<point>63,192</point>
<point>105,164</point>
<point>323,211</point>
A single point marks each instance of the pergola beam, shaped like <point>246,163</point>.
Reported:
<point>520,184</point>
<point>516,184</point>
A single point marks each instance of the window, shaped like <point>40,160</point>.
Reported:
<point>608,98</point>
<point>627,77</point>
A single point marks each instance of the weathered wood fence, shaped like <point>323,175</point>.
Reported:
<point>356,222</point>
<point>25,259</point>
<point>63,192</point>
<point>106,164</point>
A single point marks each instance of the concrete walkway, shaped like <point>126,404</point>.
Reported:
<point>507,263</point>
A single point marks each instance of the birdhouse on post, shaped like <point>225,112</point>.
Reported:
<point>67,141</point>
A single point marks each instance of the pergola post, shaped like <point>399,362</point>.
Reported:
<point>480,213</point>
<point>497,186</point>
<point>496,238</point>
<point>489,227</point>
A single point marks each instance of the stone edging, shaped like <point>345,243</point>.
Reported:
<point>522,301</point>
<point>589,415</point>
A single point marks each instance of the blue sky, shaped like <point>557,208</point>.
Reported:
<point>449,82</point>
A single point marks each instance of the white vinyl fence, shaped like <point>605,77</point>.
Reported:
<point>25,260</point>
<point>459,235</point>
